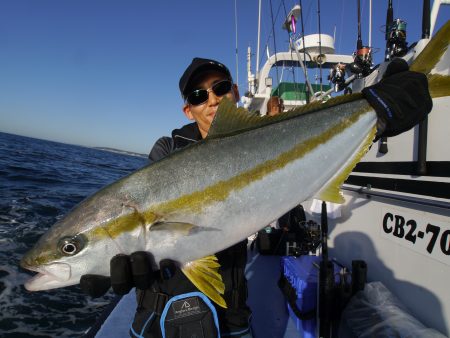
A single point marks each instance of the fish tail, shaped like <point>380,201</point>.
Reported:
<point>434,53</point>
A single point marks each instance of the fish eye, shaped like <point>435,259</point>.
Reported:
<point>70,246</point>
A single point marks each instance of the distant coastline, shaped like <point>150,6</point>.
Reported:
<point>112,150</point>
<point>118,151</point>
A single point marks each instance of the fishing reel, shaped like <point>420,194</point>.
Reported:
<point>396,45</point>
<point>361,66</point>
<point>337,77</point>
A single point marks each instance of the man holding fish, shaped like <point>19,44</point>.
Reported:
<point>161,225</point>
<point>401,101</point>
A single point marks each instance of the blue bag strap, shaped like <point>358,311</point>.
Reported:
<point>141,335</point>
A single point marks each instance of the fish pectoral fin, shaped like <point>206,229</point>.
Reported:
<point>204,274</point>
<point>331,192</point>
<point>179,227</point>
<point>183,228</point>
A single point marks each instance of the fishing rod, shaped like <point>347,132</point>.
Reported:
<point>389,19</point>
<point>333,295</point>
<point>361,66</point>
<point>423,126</point>
<point>337,77</point>
<point>359,44</point>
<point>326,281</point>
<point>383,144</point>
<point>236,30</point>
<point>396,46</point>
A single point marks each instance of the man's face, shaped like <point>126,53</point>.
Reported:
<point>275,106</point>
<point>274,109</point>
<point>204,113</point>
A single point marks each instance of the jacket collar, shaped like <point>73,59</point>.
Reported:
<point>186,135</point>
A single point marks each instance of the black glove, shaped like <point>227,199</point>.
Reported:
<point>401,99</point>
<point>127,272</point>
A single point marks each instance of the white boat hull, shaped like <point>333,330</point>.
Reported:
<point>399,222</point>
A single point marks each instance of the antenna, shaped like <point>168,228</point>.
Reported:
<point>259,38</point>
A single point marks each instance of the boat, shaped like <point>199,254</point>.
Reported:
<point>396,215</point>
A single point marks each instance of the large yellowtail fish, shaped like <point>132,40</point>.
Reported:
<point>211,195</point>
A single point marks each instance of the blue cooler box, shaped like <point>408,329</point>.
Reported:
<point>303,276</point>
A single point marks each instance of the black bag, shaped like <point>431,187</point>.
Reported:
<point>189,315</point>
<point>296,236</point>
<point>271,241</point>
<point>182,316</point>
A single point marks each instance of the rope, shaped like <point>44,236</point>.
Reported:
<point>274,40</point>
<point>304,49</point>
<point>236,29</point>
<point>320,45</point>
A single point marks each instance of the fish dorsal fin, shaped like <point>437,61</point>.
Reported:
<point>204,274</point>
<point>231,120</point>
<point>331,191</point>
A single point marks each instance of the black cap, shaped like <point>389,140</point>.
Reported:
<point>197,66</point>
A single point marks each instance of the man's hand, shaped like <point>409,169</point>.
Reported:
<point>401,99</point>
<point>127,272</point>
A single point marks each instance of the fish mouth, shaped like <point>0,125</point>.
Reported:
<point>49,276</point>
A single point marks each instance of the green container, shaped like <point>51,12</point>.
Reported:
<point>295,91</point>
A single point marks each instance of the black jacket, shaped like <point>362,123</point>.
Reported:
<point>236,318</point>
<point>181,138</point>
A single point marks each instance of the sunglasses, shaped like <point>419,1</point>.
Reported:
<point>199,96</point>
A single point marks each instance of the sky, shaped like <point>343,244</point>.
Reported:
<point>105,73</point>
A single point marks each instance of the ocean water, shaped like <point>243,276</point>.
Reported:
<point>40,181</point>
